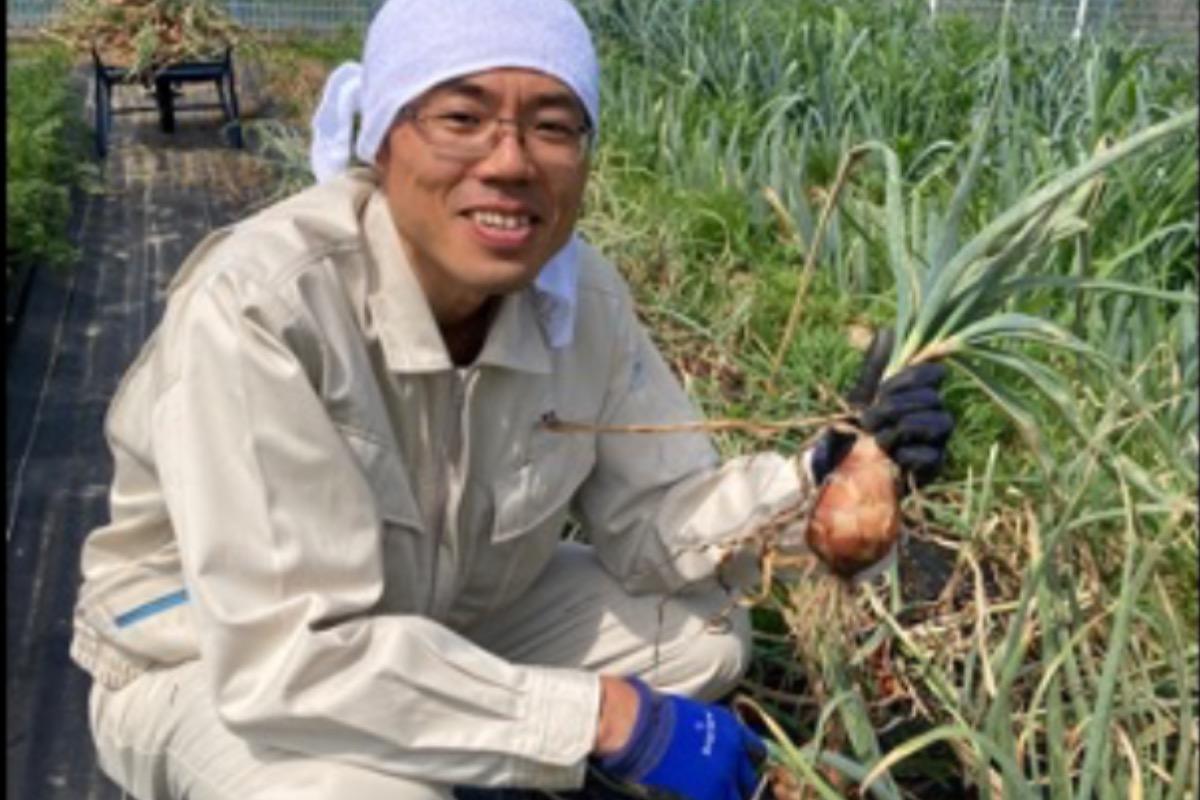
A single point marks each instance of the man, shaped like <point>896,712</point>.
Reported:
<point>334,567</point>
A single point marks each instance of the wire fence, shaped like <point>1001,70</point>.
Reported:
<point>266,15</point>
<point>1172,23</point>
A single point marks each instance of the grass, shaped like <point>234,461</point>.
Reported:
<point>43,156</point>
<point>294,68</point>
<point>1037,637</point>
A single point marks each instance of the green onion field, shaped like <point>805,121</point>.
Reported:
<point>778,177</point>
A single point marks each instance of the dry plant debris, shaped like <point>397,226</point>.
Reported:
<point>146,36</point>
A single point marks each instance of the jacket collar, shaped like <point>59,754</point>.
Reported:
<point>398,312</point>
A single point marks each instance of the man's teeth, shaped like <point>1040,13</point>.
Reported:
<point>506,222</point>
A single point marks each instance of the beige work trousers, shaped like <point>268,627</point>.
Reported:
<point>159,737</point>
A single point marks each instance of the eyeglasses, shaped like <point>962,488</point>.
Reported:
<point>548,137</point>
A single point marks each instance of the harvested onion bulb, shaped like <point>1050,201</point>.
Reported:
<point>857,517</point>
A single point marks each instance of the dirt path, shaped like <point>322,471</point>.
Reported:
<point>158,194</point>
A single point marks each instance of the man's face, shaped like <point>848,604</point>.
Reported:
<point>478,224</point>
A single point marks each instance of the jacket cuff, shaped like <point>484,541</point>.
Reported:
<point>740,570</point>
<point>805,471</point>
<point>563,713</point>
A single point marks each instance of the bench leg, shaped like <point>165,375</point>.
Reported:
<point>224,100</point>
<point>235,120</point>
<point>232,127</point>
<point>104,115</point>
<point>166,105</point>
<point>98,116</point>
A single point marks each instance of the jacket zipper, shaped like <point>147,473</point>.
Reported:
<point>446,550</point>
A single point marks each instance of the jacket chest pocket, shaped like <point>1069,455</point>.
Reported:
<point>537,494</point>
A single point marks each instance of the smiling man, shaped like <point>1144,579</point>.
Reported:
<point>335,565</point>
<point>479,212</point>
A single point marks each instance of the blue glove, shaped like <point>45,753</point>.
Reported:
<point>691,749</point>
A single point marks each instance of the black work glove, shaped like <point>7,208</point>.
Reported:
<point>905,415</point>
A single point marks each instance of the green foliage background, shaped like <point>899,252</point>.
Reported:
<point>42,161</point>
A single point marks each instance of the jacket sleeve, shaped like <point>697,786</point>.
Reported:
<point>661,509</point>
<point>281,550</point>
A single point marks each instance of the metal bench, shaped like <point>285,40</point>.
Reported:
<point>166,82</point>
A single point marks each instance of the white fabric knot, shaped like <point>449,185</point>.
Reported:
<point>333,122</point>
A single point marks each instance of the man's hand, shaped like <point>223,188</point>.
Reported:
<point>905,415</point>
<point>909,421</point>
<point>694,750</point>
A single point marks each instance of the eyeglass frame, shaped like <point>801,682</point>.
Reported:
<point>412,113</point>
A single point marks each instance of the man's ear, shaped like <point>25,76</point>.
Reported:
<point>383,156</point>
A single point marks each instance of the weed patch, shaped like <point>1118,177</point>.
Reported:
<point>43,156</point>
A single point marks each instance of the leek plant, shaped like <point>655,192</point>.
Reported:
<point>1075,193</point>
<point>956,303</point>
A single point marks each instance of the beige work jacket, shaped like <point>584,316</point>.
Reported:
<point>312,499</point>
